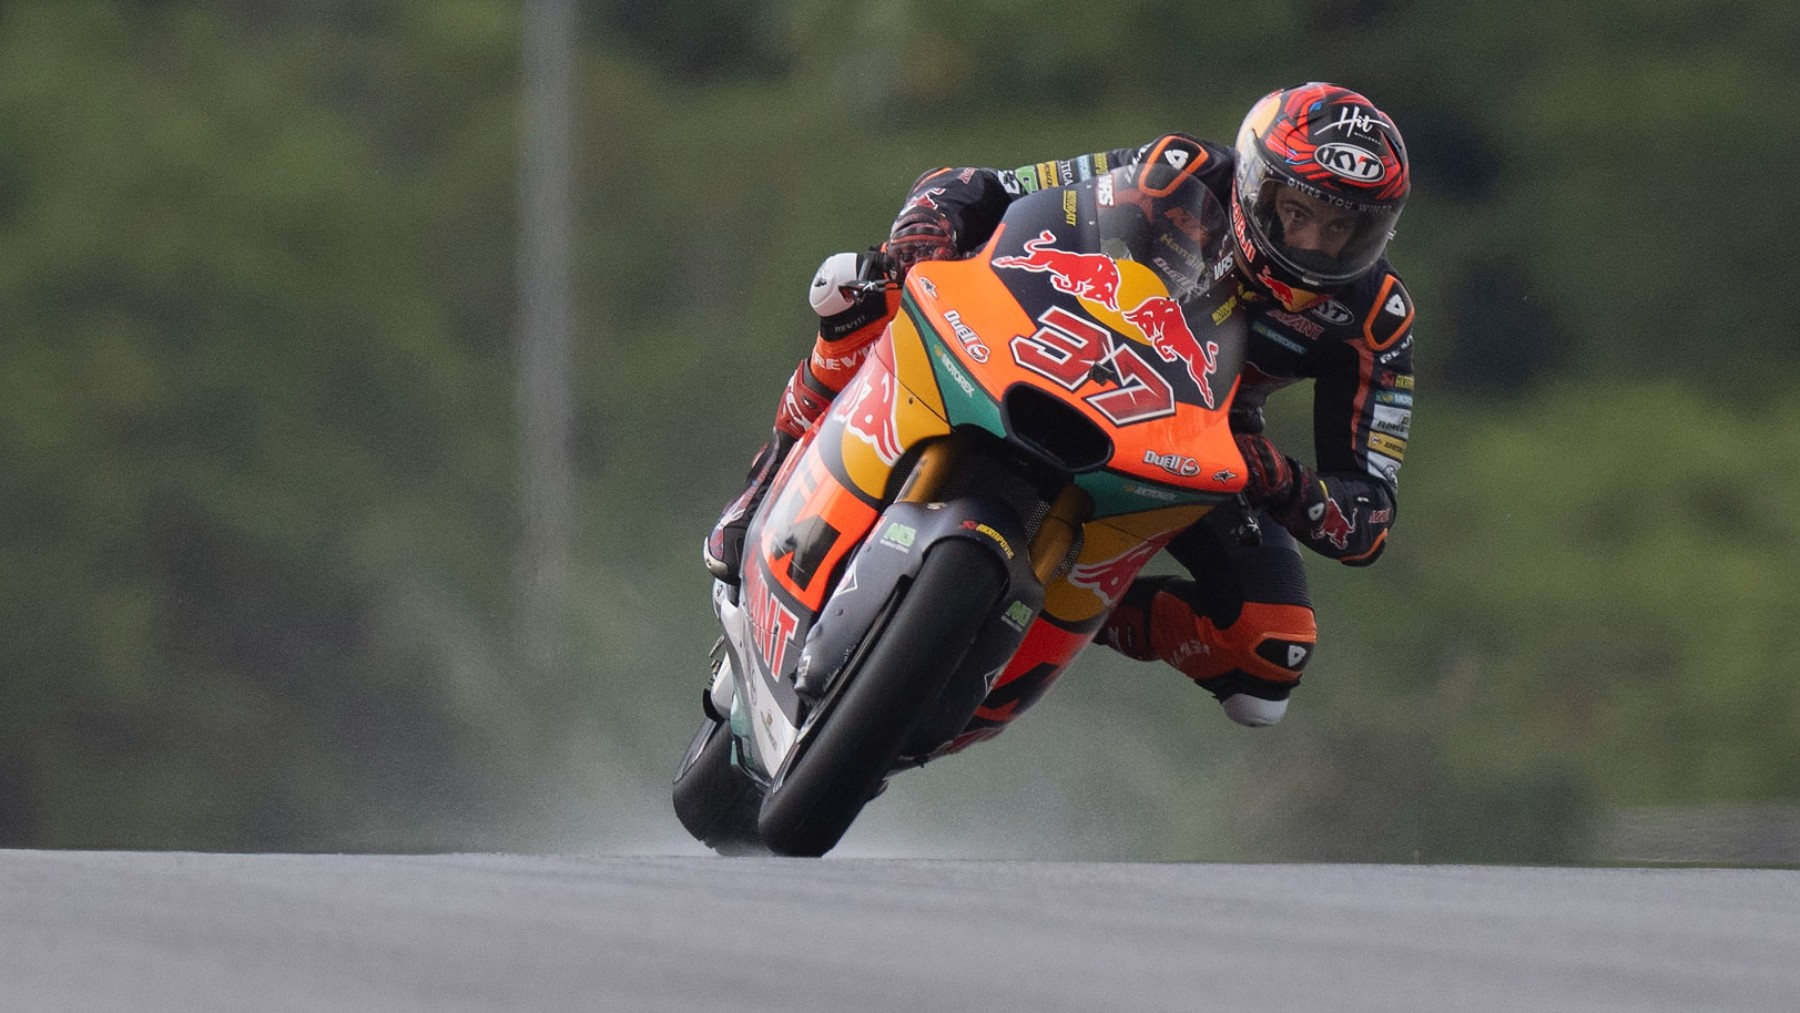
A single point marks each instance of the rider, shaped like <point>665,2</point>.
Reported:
<point>1314,186</point>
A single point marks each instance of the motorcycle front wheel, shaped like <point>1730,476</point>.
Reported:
<point>864,722</point>
<point>716,801</point>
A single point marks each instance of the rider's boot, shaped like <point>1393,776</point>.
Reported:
<point>723,552</point>
<point>1249,657</point>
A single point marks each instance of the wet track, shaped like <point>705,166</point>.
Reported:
<point>122,931</point>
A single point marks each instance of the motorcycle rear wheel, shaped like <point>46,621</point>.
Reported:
<point>715,801</point>
<point>865,723</point>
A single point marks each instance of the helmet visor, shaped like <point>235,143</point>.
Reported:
<point>1319,236</point>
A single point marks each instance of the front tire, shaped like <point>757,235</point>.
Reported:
<point>865,723</point>
<point>716,801</point>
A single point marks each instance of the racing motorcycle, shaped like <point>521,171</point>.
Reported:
<point>1038,421</point>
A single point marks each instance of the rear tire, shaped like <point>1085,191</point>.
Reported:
<point>866,722</point>
<point>716,801</point>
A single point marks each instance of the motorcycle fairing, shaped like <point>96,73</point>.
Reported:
<point>1178,452</point>
<point>888,557</point>
<point>888,408</point>
<point>973,333</point>
<point>1112,294</point>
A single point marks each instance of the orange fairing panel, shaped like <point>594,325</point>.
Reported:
<point>818,522</point>
<point>1043,656</point>
<point>1129,360</point>
<point>891,404</point>
<point>1113,551</point>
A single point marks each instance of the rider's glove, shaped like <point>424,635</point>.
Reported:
<point>921,233</point>
<point>1273,481</point>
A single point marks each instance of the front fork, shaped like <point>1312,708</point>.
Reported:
<point>934,504</point>
<point>1058,534</point>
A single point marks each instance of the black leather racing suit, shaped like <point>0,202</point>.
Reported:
<point>1246,624</point>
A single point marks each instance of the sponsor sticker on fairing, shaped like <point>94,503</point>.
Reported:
<point>899,536</point>
<point>1174,464</point>
<point>772,623</point>
<point>1149,492</point>
<point>1084,275</point>
<point>1109,578</point>
<point>999,539</point>
<point>1017,615</point>
<point>1224,310</point>
<point>971,342</point>
<point>956,374</point>
<point>868,414</point>
<point>1162,322</point>
<point>1224,267</point>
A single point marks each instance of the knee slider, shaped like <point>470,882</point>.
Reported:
<point>1252,711</point>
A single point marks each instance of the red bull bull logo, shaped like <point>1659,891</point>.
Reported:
<point>1283,293</point>
<point>1085,275</point>
<point>1295,299</point>
<point>1110,578</point>
<point>926,199</point>
<point>1334,525</point>
<point>1159,317</point>
<point>868,413</point>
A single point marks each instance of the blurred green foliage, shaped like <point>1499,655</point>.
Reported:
<point>257,504</point>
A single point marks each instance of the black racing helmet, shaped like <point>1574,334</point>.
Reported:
<point>1334,146</point>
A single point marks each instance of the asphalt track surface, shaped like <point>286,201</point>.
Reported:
<point>96,931</point>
